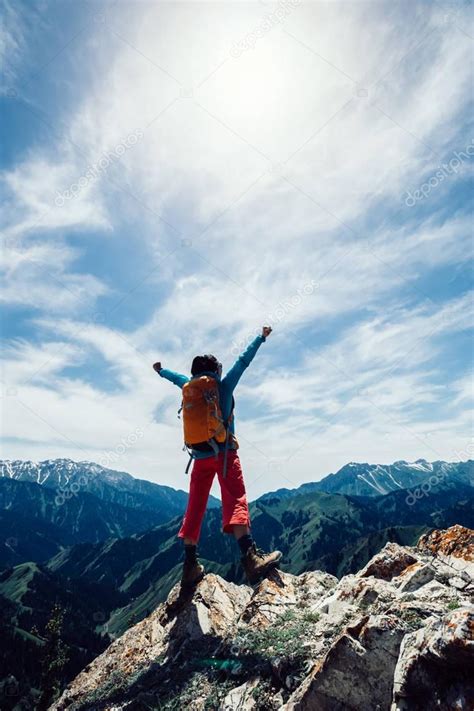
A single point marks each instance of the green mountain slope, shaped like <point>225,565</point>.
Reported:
<point>325,531</point>
<point>28,594</point>
<point>110,584</point>
<point>35,527</point>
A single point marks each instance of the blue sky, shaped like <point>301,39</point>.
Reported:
<point>176,175</point>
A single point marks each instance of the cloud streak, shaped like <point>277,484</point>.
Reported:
<point>254,176</point>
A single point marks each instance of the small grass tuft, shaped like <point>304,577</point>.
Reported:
<point>311,617</point>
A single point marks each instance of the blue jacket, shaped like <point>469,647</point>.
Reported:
<point>226,385</point>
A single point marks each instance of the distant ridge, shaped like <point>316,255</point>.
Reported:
<point>69,477</point>
<point>363,479</point>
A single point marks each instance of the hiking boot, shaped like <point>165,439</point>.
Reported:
<point>193,572</point>
<point>256,563</point>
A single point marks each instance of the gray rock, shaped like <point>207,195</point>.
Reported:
<point>240,698</point>
<point>434,669</point>
<point>389,563</point>
<point>397,635</point>
<point>417,577</point>
<point>357,672</point>
<point>458,583</point>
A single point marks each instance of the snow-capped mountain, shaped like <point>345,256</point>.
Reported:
<point>59,472</point>
<point>363,479</point>
<point>68,478</point>
<point>47,505</point>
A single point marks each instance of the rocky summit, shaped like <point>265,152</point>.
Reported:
<point>396,636</point>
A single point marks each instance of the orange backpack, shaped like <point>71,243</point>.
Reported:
<point>202,415</point>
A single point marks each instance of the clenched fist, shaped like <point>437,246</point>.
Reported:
<point>157,367</point>
<point>266,330</point>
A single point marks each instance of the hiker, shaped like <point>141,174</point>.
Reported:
<point>208,421</point>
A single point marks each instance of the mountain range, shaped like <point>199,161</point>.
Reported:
<point>109,555</point>
<point>51,505</point>
<point>316,531</point>
<point>356,479</point>
<point>46,506</point>
<point>34,527</point>
<point>68,478</point>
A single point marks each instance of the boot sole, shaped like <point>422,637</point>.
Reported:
<point>266,569</point>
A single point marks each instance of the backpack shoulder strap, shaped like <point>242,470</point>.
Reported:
<point>231,413</point>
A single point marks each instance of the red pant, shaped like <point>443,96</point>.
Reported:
<point>235,510</point>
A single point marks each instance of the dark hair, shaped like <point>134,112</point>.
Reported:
<point>204,364</point>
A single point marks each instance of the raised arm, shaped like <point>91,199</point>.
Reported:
<point>170,375</point>
<point>243,361</point>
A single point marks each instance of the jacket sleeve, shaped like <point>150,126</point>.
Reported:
<point>173,377</point>
<point>243,361</point>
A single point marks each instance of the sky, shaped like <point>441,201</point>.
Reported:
<point>176,175</point>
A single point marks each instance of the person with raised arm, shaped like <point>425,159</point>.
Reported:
<point>209,435</point>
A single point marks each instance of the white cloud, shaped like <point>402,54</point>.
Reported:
<point>11,44</point>
<point>358,399</point>
<point>31,190</point>
<point>38,276</point>
<point>286,195</point>
<point>23,361</point>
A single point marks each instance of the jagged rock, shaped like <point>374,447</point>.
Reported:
<point>186,621</point>
<point>454,546</point>
<point>354,592</point>
<point>241,697</point>
<point>211,611</point>
<point>398,631</point>
<point>389,563</point>
<point>434,669</point>
<point>357,672</point>
<point>414,577</point>
<point>283,591</point>
<point>458,583</point>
